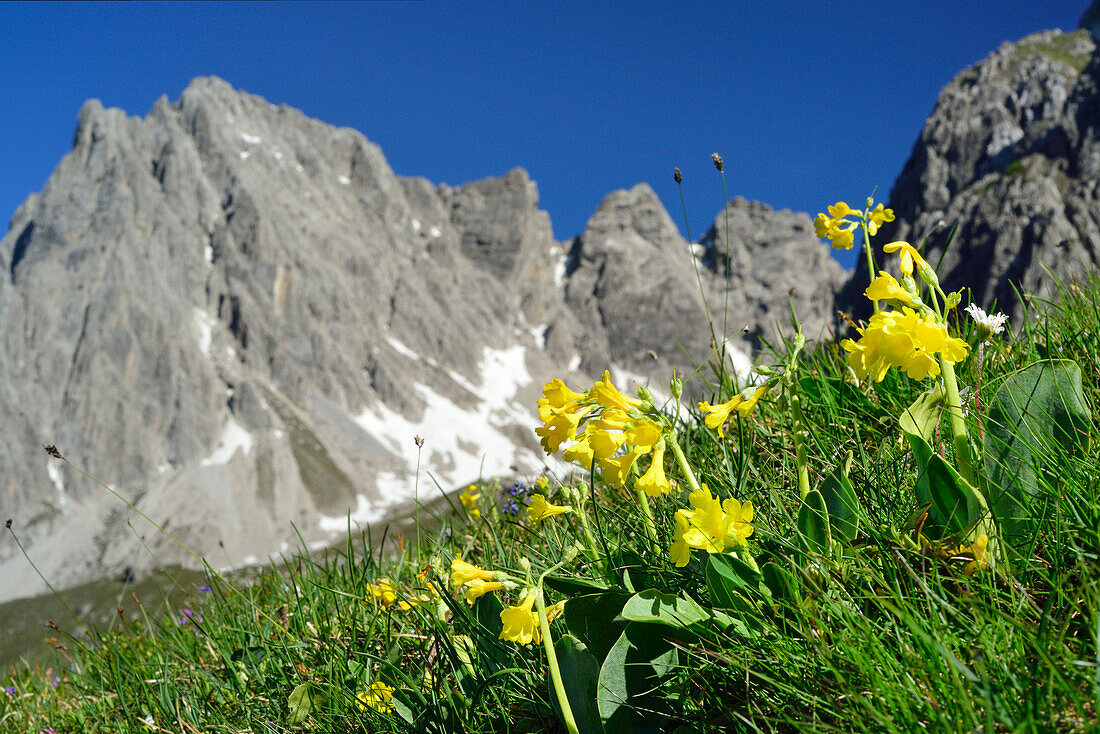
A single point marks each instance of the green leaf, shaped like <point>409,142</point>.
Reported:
<point>780,582</point>
<point>301,702</point>
<point>594,620</point>
<point>956,505</point>
<point>813,522</point>
<point>841,504</point>
<point>573,586</point>
<point>731,582</point>
<point>1036,415</point>
<point>921,417</point>
<point>580,675</point>
<point>630,682</point>
<point>655,606</point>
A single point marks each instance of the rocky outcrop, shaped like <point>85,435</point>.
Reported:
<point>239,318</point>
<point>1010,157</point>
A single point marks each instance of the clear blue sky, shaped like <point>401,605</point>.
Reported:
<point>807,102</point>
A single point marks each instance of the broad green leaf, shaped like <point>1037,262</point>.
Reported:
<point>592,619</point>
<point>956,505</point>
<point>730,581</point>
<point>813,522</point>
<point>629,697</point>
<point>580,675</point>
<point>841,503</point>
<point>921,417</point>
<point>301,703</point>
<point>652,605</point>
<point>1036,414</point>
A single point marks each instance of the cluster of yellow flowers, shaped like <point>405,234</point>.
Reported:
<point>617,430</point>
<point>378,696</point>
<point>908,338</point>
<point>711,525</point>
<point>840,230</point>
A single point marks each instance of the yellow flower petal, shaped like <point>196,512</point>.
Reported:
<point>520,623</point>
<point>540,509</point>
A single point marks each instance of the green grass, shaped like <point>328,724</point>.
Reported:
<point>882,634</point>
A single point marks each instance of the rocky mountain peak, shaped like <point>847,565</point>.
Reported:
<point>1009,156</point>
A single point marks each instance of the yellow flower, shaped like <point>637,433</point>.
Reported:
<point>717,415</point>
<point>469,498</point>
<point>740,515</point>
<point>644,434</point>
<point>604,443</point>
<point>910,258</point>
<point>604,393</point>
<point>903,339</point>
<point>615,471</point>
<point>557,428</point>
<point>540,509</point>
<point>463,573</point>
<point>980,551</point>
<point>382,592</point>
<point>877,217</point>
<point>378,696</point>
<point>680,551</point>
<point>476,588</point>
<point>710,525</point>
<point>580,453</point>
<point>886,288</point>
<point>653,482</point>
<point>834,227</point>
<point>556,396</point>
<point>520,623</point>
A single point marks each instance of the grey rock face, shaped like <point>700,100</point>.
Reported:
<point>772,255</point>
<point>1010,156</point>
<point>239,318</point>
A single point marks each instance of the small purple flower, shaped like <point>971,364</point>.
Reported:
<point>510,507</point>
<point>10,690</point>
<point>187,615</point>
<point>204,589</point>
<point>47,730</point>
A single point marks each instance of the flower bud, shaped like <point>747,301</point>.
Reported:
<point>676,175</point>
<point>676,387</point>
<point>717,161</point>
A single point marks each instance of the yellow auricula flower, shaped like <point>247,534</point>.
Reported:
<point>463,573</point>
<point>378,696</point>
<point>581,453</point>
<point>710,525</point>
<point>717,415</point>
<point>540,509</point>
<point>556,395</point>
<point>469,498</point>
<point>653,482</point>
<point>910,258</point>
<point>604,393</point>
<point>557,428</point>
<point>520,623</point>
<point>834,227</point>
<point>382,592</point>
<point>476,588</point>
<point>877,217</point>
<point>886,288</point>
<point>615,470</point>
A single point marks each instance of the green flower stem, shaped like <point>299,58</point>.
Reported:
<point>798,422</point>
<point>552,661</point>
<point>586,528</point>
<point>870,256</point>
<point>650,526</point>
<point>958,423</point>
<point>674,444</point>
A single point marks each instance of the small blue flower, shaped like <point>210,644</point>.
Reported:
<point>204,589</point>
<point>10,690</point>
